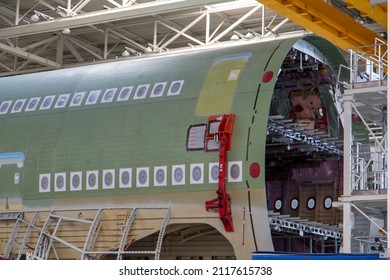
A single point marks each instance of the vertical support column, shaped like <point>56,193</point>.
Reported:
<point>60,50</point>
<point>69,7</point>
<point>17,12</point>
<point>208,21</point>
<point>347,173</point>
<point>105,54</point>
<point>155,35</point>
<point>262,21</point>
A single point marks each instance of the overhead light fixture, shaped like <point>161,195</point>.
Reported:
<point>252,34</point>
<point>249,36</point>
<point>154,49</point>
<point>38,15</point>
<point>149,49</point>
<point>128,51</point>
<point>235,37</point>
<point>361,20</point>
<point>34,18</point>
<point>66,31</point>
<point>125,53</point>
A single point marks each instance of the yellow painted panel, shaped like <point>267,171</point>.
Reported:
<point>219,87</point>
<point>324,20</point>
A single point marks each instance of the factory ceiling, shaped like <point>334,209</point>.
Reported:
<point>37,35</point>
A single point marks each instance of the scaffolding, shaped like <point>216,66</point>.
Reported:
<point>83,234</point>
<point>365,150</point>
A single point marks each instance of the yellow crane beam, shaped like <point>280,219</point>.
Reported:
<point>326,21</point>
<point>377,12</point>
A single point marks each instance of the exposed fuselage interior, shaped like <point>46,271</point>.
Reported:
<point>303,156</point>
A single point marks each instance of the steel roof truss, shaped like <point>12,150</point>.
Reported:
<point>73,50</point>
<point>237,23</point>
<point>29,56</point>
<point>92,18</point>
<point>36,53</point>
<point>90,49</point>
<point>182,32</point>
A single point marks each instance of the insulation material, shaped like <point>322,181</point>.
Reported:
<point>291,197</point>
<point>308,172</point>
<point>274,193</point>
<point>306,194</point>
<point>324,212</point>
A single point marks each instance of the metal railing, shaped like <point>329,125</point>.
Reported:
<point>366,67</point>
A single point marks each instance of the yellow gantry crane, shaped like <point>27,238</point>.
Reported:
<point>324,20</point>
<point>376,12</point>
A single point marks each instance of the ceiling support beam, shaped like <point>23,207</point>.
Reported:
<point>92,18</point>
<point>182,32</point>
<point>326,21</point>
<point>37,52</point>
<point>6,67</point>
<point>85,46</point>
<point>125,39</point>
<point>377,13</point>
<point>29,56</point>
<point>42,42</point>
<point>79,6</point>
<point>73,50</point>
<point>237,23</point>
<point>10,23</point>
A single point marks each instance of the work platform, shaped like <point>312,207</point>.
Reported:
<point>365,197</point>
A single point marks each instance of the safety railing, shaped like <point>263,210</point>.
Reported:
<point>368,164</point>
<point>366,67</point>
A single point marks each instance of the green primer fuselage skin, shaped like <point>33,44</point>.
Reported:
<point>140,138</point>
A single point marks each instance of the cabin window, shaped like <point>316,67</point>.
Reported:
<point>62,101</point>
<point>175,88</point>
<point>93,97</point>
<point>77,99</point>
<point>32,104</point>
<point>18,105</point>
<point>108,95</point>
<point>158,89</point>
<point>124,94</point>
<point>47,101</point>
<point>5,106</point>
<point>141,91</point>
